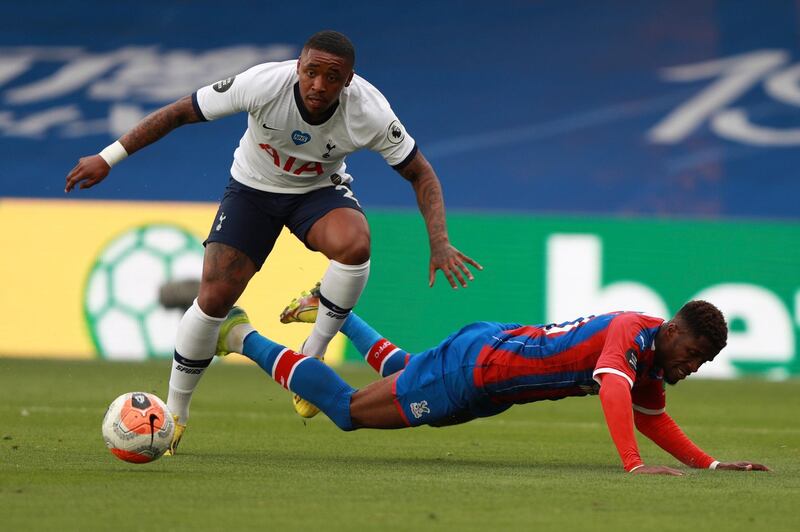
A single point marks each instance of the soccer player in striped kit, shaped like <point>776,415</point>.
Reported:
<point>304,117</point>
<point>486,367</point>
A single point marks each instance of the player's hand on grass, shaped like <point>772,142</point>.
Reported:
<point>453,264</point>
<point>657,470</point>
<point>742,466</point>
<point>88,172</point>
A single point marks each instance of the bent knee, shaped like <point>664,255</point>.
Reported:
<point>359,253</point>
<point>349,250</point>
<point>337,408</point>
<point>343,235</point>
<point>216,299</point>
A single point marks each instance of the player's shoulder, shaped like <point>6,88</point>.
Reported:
<point>363,98</point>
<point>637,326</point>
<point>271,74</point>
<point>634,319</point>
<point>258,85</point>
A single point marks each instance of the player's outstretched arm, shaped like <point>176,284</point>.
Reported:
<point>444,256</point>
<point>92,169</point>
<point>615,399</point>
<point>742,466</point>
<point>663,431</point>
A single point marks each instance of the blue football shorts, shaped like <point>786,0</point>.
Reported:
<point>437,387</point>
<point>251,220</point>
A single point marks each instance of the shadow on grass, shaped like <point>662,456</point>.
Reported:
<point>292,460</point>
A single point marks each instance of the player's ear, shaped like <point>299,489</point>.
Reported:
<point>673,328</point>
<point>349,78</point>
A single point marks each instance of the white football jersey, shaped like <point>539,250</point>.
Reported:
<point>282,152</point>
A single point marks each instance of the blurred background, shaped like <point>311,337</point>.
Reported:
<point>595,156</point>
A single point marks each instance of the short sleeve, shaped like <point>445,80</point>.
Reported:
<point>394,144</point>
<point>244,92</point>
<point>621,350</point>
<point>375,126</point>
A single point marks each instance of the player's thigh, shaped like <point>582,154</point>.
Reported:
<point>330,220</point>
<point>374,406</point>
<point>226,273</point>
<point>421,392</point>
<point>250,221</point>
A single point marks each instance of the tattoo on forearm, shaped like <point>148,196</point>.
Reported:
<point>429,196</point>
<point>431,205</point>
<point>430,199</point>
<point>158,123</point>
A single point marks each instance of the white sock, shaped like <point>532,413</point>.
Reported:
<point>340,289</point>
<point>237,335</point>
<point>195,345</point>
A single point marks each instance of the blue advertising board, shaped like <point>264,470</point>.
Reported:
<point>643,108</point>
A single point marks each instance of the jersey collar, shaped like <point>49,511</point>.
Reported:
<point>298,100</point>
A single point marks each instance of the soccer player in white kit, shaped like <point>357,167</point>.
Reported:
<point>304,117</point>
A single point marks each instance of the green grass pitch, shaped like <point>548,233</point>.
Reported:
<point>248,462</point>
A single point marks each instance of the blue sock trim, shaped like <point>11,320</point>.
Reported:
<point>360,333</point>
<point>394,363</point>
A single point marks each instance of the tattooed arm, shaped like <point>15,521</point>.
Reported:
<point>92,169</point>
<point>444,256</point>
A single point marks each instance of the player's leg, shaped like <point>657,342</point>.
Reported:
<point>240,239</point>
<point>382,355</point>
<point>330,220</point>
<point>374,406</point>
<point>311,378</point>
<point>226,272</point>
<point>343,236</point>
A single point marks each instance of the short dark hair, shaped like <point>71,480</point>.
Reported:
<point>705,320</point>
<point>334,43</point>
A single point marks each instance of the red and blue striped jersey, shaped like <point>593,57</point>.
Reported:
<point>531,363</point>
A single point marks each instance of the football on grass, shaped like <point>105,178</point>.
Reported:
<point>138,427</point>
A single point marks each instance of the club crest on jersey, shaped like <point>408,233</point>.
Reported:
<point>395,133</point>
<point>330,146</point>
<point>300,137</point>
<point>224,84</point>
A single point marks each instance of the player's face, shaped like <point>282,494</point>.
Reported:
<point>322,78</point>
<point>679,353</point>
